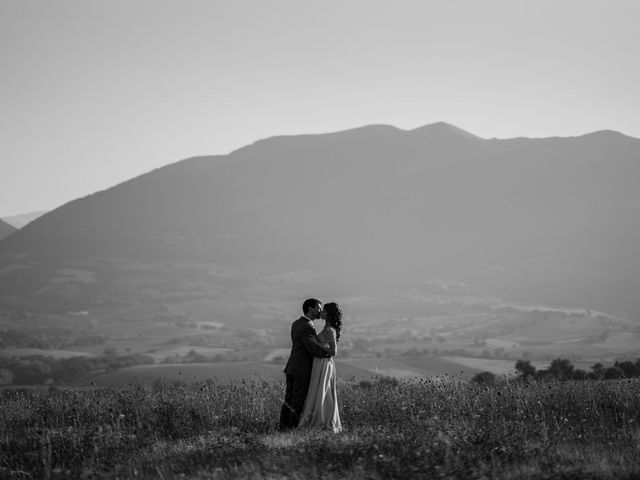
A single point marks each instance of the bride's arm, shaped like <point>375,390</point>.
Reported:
<point>327,348</point>
<point>333,344</point>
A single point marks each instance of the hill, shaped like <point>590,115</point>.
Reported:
<point>19,221</point>
<point>356,212</point>
<point>6,229</point>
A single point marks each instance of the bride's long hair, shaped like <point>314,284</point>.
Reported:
<point>334,317</point>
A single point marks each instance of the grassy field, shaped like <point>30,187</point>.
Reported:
<point>419,429</point>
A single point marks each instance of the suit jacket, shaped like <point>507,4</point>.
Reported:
<point>304,346</point>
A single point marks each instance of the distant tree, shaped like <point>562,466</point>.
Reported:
<point>629,368</point>
<point>545,375</point>
<point>561,368</point>
<point>484,378</point>
<point>597,371</point>
<point>579,374</point>
<point>613,373</point>
<point>279,359</point>
<point>525,369</point>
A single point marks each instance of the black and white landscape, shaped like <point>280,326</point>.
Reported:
<point>458,178</point>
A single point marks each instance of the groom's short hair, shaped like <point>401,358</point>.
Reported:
<point>309,303</point>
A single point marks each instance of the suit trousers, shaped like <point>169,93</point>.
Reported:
<point>294,397</point>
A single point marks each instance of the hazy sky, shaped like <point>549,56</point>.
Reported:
<point>93,92</point>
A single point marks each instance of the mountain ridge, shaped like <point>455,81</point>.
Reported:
<point>6,229</point>
<point>381,207</point>
<point>20,220</point>
<point>440,126</point>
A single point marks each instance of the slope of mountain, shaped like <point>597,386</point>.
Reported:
<point>554,219</point>
<point>21,220</point>
<point>6,229</point>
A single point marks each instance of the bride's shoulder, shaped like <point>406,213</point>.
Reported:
<point>330,330</point>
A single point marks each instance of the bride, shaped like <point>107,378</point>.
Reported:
<point>321,404</point>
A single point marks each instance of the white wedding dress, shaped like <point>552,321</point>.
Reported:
<point>321,404</point>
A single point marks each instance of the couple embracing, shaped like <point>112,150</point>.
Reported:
<point>311,399</point>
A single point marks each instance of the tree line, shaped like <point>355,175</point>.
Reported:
<point>562,369</point>
<point>38,369</point>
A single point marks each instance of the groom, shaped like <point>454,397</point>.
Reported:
<point>304,347</point>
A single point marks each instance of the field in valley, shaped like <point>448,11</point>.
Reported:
<point>202,320</point>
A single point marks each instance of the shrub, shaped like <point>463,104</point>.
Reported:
<point>484,378</point>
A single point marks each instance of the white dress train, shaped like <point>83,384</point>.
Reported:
<point>321,404</point>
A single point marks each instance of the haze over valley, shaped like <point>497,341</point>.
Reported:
<point>20,220</point>
<point>448,252</point>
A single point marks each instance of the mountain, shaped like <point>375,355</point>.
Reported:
<point>21,220</point>
<point>371,209</point>
<point>5,229</point>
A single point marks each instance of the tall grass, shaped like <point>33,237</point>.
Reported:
<point>423,429</point>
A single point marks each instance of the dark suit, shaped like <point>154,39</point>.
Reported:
<point>304,346</point>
